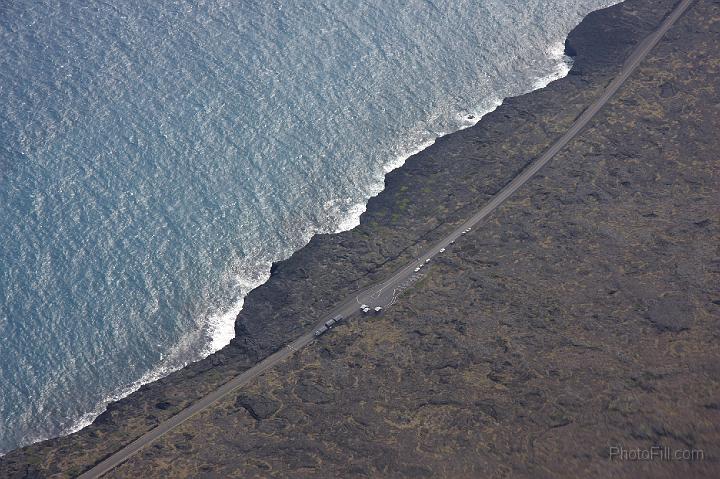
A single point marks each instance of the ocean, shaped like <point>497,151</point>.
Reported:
<point>157,157</point>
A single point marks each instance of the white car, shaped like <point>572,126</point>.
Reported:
<point>378,309</point>
<point>427,260</point>
<point>442,250</point>
<point>417,269</point>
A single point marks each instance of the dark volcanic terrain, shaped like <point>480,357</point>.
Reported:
<point>583,316</point>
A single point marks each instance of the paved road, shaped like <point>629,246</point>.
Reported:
<point>385,293</point>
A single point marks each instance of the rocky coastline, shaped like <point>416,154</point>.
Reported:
<point>550,328</point>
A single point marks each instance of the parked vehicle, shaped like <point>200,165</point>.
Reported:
<point>329,323</point>
<point>442,250</point>
<point>378,309</point>
<point>417,269</point>
<point>321,331</point>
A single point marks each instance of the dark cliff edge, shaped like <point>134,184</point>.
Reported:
<point>435,189</point>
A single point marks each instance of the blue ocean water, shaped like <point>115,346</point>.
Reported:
<point>156,157</point>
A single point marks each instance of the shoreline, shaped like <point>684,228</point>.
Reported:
<point>249,343</point>
<point>351,220</point>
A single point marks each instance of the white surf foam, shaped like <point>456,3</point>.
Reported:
<point>215,331</point>
<point>221,326</point>
<point>351,218</point>
<point>562,66</point>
